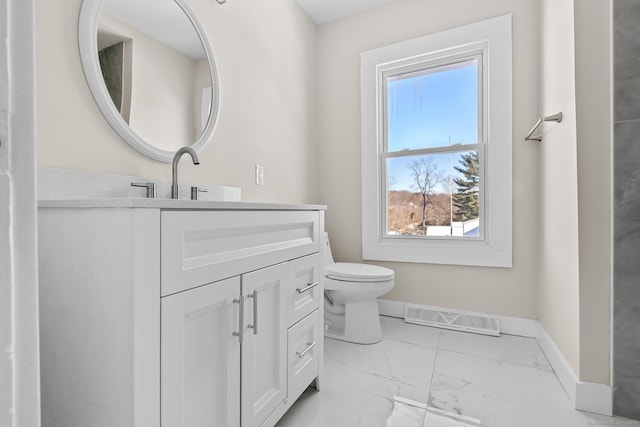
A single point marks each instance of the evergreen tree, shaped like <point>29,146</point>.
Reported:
<point>467,196</point>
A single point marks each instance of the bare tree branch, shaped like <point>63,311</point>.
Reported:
<point>426,178</point>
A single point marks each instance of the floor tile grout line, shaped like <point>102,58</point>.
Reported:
<point>442,332</point>
<point>446,331</point>
<point>433,373</point>
<point>411,342</point>
<point>500,361</point>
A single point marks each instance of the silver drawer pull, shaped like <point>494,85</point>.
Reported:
<point>254,295</point>
<point>305,289</point>
<point>240,317</point>
<point>307,350</point>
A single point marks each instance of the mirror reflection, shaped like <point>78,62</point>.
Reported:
<point>156,71</point>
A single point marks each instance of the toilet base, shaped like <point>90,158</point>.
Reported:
<point>359,324</point>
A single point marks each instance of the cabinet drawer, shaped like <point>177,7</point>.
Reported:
<point>200,247</point>
<point>305,287</point>
<point>303,354</point>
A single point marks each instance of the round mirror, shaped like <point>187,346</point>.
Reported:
<point>151,71</point>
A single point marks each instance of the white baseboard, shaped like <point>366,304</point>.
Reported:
<point>585,396</point>
<point>594,397</point>
<point>391,308</point>
<point>560,366</point>
<point>518,326</point>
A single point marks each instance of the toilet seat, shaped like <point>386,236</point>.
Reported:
<point>352,272</point>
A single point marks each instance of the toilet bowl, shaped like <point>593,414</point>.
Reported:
<point>351,292</point>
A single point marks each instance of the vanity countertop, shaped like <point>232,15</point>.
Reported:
<point>135,202</point>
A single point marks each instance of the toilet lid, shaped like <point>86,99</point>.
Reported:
<point>353,272</point>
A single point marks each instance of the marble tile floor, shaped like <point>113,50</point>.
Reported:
<point>419,376</point>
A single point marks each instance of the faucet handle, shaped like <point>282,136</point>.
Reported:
<point>195,191</point>
<point>150,186</point>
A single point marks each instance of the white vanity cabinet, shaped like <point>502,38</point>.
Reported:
<point>178,317</point>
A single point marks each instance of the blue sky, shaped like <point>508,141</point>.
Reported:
<point>431,110</point>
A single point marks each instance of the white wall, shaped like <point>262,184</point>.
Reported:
<point>19,358</point>
<point>201,80</point>
<point>574,297</point>
<point>265,53</point>
<point>162,93</point>
<point>595,196</point>
<point>6,263</point>
<point>558,297</point>
<point>504,291</point>
<point>162,87</point>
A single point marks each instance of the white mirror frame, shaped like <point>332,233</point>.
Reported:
<point>87,39</point>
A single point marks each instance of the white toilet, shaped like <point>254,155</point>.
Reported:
<point>350,305</point>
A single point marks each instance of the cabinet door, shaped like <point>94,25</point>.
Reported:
<point>200,360</point>
<point>264,349</point>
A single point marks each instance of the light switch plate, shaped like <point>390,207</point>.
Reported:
<point>259,175</point>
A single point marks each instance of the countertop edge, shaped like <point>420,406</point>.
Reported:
<point>169,204</point>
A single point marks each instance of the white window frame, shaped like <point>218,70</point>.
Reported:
<point>492,38</point>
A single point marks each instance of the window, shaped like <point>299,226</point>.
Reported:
<point>431,148</point>
<point>436,148</point>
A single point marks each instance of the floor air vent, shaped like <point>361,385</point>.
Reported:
<point>448,319</point>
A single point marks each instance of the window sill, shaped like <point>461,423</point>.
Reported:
<point>469,253</point>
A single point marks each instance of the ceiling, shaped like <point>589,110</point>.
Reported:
<point>323,11</point>
<point>168,24</point>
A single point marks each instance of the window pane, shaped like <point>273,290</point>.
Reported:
<point>433,107</point>
<point>434,195</point>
